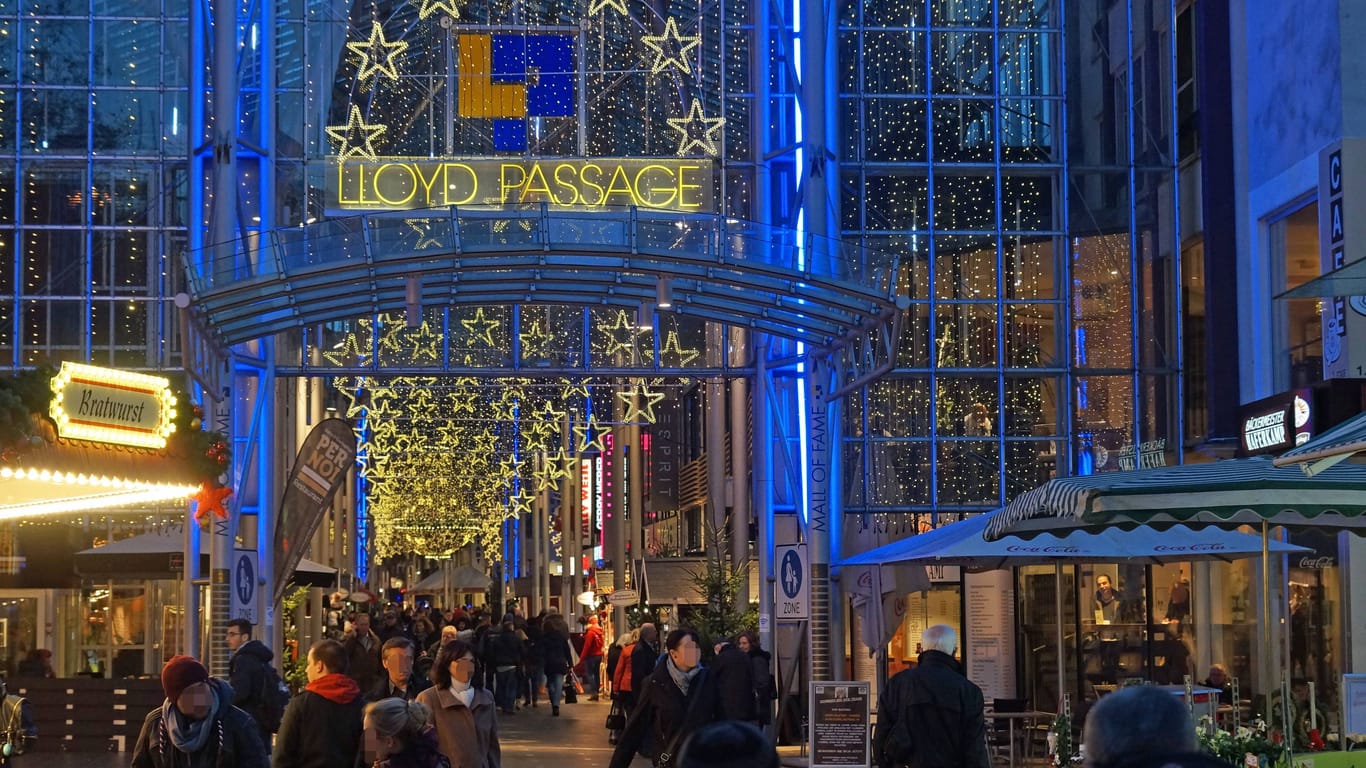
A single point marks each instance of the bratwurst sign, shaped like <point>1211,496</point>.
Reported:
<point>109,406</point>
<point>410,183</point>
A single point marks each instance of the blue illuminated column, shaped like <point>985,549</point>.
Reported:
<point>820,196</point>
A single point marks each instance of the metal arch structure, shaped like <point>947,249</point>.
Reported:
<point>817,334</point>
<point>718,269</point>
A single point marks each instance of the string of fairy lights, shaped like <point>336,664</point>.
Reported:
<point>447,461</point>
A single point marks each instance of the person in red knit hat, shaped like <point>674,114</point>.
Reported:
<point>197,724</point>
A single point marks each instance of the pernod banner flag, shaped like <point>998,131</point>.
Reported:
<point>327,453</point>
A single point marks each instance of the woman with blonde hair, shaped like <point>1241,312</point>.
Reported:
<point>399,734</point>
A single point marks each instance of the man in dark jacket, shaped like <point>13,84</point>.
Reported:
<point>398,680</point>
<point>197,724</point>
<point>322,726</point>
<point>247,673</point>
<point>672,703</point>
<point>733,678</point>
<point>362,652</point>
<point>931,715</point>
<point>644,658</point>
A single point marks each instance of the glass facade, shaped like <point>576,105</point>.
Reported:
<point>1040,337</point>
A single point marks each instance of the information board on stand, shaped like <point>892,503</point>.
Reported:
<point>839,725</point>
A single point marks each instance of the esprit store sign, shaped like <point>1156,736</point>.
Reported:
<point>109,406</point>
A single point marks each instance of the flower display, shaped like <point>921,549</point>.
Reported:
<point>1253,740</point>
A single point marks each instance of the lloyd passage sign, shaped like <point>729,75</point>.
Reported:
<point>403,183</point>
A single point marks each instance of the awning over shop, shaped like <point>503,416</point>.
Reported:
<point>462,579</point>
<point>1347,280</point>
<point>71,476</point>
<point>963,543</point>
<point>1225,493</point>
<point>161,555</point>
<point>1329,448</point>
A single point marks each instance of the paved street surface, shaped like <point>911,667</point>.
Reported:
<point>531,739</point>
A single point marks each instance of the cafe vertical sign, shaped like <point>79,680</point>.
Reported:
<point>109,406</point>
<point>1342,240</point>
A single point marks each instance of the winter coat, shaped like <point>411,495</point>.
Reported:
<point>468,736</point>
<point>556,652</point>
<point>733,678</point>
<point>503,648</point>
<point>644,659</point>
<point>322,726</point>
<point>383,689</point>
<point>621,678</point>
<point>764,690</point>
<point>944,712</point>
<point>363,665</point>
<point>664,717</point>
<point>247,675</point>
<point>235,743</point>
<point>592,642</point>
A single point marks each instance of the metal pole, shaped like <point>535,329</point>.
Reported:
<point>715,440</point>
<point>533,537</point>
<point>617,509</point>
<point>818,485</point>
<point>740,489</point>
<point>1057,608</point>
<point>763,489</point>
<point>569,523</point>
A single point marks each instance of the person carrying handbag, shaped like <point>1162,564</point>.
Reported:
<point>674,701</point>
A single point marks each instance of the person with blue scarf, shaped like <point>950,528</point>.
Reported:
<point>197,726</point>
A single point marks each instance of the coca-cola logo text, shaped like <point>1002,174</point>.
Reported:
<point>1211,547</point>
<point>1318,563</point>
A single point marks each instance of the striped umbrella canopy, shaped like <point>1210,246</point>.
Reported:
<point>1329,448</point>
<point>1226,494</point>
<point>963,543</point>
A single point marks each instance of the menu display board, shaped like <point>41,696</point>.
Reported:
<point>989,648</point>
<point>839,719</point>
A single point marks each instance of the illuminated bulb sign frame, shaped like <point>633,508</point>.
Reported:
<point>409,183</point>
<point>108,406</point>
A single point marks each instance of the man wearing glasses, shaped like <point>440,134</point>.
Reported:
<point>247,673</point>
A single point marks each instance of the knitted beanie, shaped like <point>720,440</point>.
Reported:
<point>180,673</point>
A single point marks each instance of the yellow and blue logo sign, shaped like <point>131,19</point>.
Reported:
<point>510,77</point>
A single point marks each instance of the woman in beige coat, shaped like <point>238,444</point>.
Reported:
<point>464,716</point>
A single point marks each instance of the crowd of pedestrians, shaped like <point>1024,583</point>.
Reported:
<point>426,689</point>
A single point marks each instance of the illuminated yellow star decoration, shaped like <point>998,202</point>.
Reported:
<point>480,321</point>
<point>663,58</point>
<point>583,431</point>
<point>672,344</point>
<point>640,403</point>
<point>621,335</point>
<point>535,337</point>
<point>356,128</point>
<point>423,228</point>
<point>428,7</point>
<point>572,388</point>
<point>426,344</point>
<point>349,353</point>
<point>377,54</point>
<point>547,477</point>
<point>596,6</point>
<point>520,504</point>
<point>697,131</point>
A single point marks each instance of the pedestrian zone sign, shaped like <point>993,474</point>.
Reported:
<point>793,596</point>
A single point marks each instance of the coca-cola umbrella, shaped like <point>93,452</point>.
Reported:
<point>1225,494</point>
